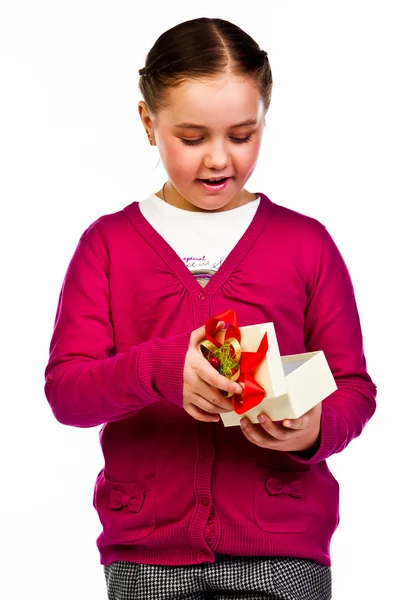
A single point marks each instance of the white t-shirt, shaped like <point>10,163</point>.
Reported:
<point>200,239</point>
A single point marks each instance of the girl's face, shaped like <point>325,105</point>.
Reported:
<point>211,128</point>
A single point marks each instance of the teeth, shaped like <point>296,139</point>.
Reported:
<point>215,178</point>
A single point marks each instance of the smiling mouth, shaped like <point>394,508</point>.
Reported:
<point>215,182</point>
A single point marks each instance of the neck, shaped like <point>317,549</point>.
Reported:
<point>169,196</point>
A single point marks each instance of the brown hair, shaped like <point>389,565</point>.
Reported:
<point>204,48</point>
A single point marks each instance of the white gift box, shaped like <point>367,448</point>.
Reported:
<point>293,384</point>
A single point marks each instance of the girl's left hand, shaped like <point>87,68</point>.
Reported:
<point>292,435</point>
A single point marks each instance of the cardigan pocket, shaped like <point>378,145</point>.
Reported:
<point>126,510</point>
<point>282,501</point>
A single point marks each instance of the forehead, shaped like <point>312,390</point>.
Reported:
<point>213,103</point>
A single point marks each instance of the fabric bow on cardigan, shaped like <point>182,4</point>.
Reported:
<point>120,500</point>
<point>275,487</point>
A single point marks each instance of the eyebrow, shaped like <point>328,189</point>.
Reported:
<point>194,126</point>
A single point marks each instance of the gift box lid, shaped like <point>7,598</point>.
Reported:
<point>270,373</point>
<point>293,384</point>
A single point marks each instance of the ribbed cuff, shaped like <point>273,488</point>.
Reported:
<point>333,438</point>
<point>160,367</point>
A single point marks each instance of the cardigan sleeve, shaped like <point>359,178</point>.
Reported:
<point>332,324</point>
<point>87,383</point>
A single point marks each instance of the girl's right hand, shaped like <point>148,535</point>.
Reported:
<point>202,384</point>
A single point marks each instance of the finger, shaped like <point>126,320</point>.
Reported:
<point>199,335</point>
<point>256,436</point>
<point>214,405</point>
<point>217,399</point>
<point>215,380</point>
<point>213,396</point>
<point>199,415</point>
<point>277,431</point>
<point>220,326</point>
<point>296,423</point>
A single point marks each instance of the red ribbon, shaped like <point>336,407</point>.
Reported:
<point>253,393</point>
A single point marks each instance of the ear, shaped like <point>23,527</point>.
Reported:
<point>145,115</point>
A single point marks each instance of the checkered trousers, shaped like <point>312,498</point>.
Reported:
<point>228,578</point>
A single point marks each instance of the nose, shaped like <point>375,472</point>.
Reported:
<point>217,157</point>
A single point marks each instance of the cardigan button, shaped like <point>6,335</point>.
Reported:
<point>207,453</point>
<point>211,524</point>
<point>205,502</point>
<point>201,296</point>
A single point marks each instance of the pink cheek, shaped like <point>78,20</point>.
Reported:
<point>248,163</point>
<point>180,163</point>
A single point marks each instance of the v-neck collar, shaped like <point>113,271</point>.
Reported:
<point>168,254</point>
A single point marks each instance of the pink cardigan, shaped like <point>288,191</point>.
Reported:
<point>173,490</point>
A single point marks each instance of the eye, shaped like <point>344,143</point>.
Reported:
<point>191,142</point>
<point>235,140</point>
<point>242,140</point>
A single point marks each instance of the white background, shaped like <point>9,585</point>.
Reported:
<point>72,148</point>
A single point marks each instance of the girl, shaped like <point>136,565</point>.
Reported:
<point>189,508</point>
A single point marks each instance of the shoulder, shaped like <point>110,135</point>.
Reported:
<point>287,217</point>
<point>111,235</point>
<point>310,246</point>
<point>111,228</point>
<point>295,228</point>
